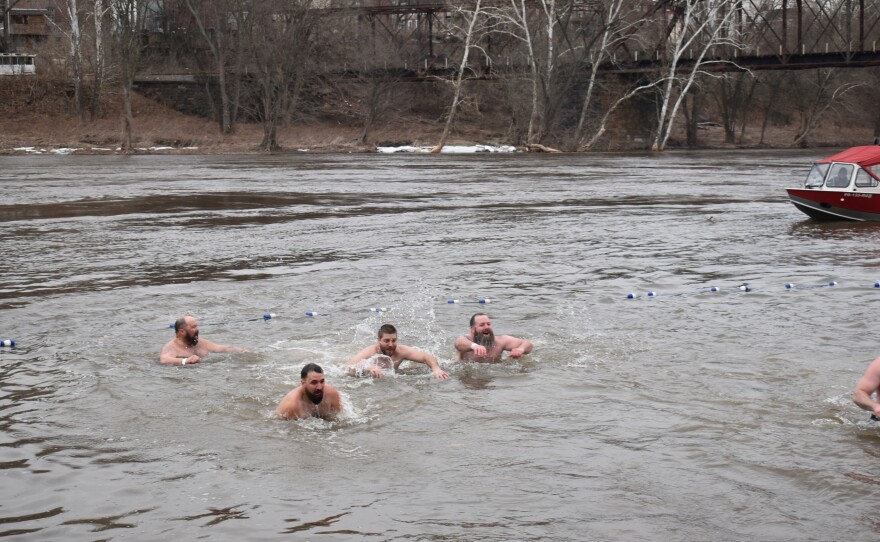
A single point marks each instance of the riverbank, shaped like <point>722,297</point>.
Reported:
<point>171,132</point>
<point>46,125</point>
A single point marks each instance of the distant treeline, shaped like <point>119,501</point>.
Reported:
<point>542,71</point>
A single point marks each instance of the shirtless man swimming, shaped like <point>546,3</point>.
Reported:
<point>186,347</point>
<point>313,397</point>
<point>481,344</point>
<point>387,354</point>
<point>866,388</point>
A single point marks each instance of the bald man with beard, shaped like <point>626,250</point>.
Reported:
<point>187,347</point>
<point>482,345</point>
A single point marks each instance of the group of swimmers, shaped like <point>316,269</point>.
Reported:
<point>314,397</point>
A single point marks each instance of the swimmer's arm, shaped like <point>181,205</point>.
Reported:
<point>170,356</point>
<point>465,344</point>
<point>518,347</point>
<point>288,408</point>
<point>375,370</point>
<point>335,402</point>
<point>213,347</point>
<point>423,357</point>
<point>866,387</point>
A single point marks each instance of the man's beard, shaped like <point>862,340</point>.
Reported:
<point>487,341</point>
<point>192,340</point>
<point>316,397</point>
<point>389,352</point>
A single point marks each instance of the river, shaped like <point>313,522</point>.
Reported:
<point>690,415</point>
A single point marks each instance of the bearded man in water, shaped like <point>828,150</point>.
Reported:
<point>313,398</point>
<point>482,345</point>
<point>387,354</point>
<point>186,347</point>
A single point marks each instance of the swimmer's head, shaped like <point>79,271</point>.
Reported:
<point>313,382</point>
<point>387,339</point>
<point>481,329</point>
<point>187,329</point>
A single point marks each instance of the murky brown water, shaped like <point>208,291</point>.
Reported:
<point>722,416</point>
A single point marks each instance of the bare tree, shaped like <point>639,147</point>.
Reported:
<point>701,24</point>
<point>101,11</point>
<point>80,48</point>
<point>365,68</point>
<point>515,22</point>
<point>470,34</point>
<point>733,95</point>
<point>280,39</point>
<point>771,86</point>
<point>826,93</point>
<point>603,122</point>
<point>548,69</point>
<point>218,23</point>
<point>74,36</point>
<point>614,30</point>
<point>128,25</point>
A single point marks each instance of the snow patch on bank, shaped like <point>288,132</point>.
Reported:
<point>73,150</point>
<point>450,149</point>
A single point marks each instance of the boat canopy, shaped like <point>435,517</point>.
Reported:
<point>865,156</point>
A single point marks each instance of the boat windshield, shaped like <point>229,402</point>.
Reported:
<point>816,176</point>
<point>864,180</point>
<point>839,176</point>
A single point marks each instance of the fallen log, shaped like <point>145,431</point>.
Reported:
<point>535,147</point>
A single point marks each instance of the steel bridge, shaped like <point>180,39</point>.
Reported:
<point>773,34</point>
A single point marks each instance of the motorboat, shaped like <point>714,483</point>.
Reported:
<point>845,186</point>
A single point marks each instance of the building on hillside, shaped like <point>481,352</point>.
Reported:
<point>27,24</point>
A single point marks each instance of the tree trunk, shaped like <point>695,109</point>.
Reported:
<point>270,136</point>
<point>372,107</point>
<point>127,119</point>
<point>76,57</point>
<point>97,89</point>
<point>217,46</point>
<point>603,123</point>
<point>690,114</point>
<point>596,59</point>
<point>714,19</point>
<point>585,106</point>
<point>457,93</point>
<point>769,106</point>
<point>746,107</point>
<point>129,15</point>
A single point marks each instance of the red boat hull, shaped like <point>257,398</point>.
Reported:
<point>831,205</point>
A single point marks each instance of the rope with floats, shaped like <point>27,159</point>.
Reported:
<point>744,287</point>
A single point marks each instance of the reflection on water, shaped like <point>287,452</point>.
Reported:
<point>680,417</point>
<point>832,231</point>
<point>475,379</point>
